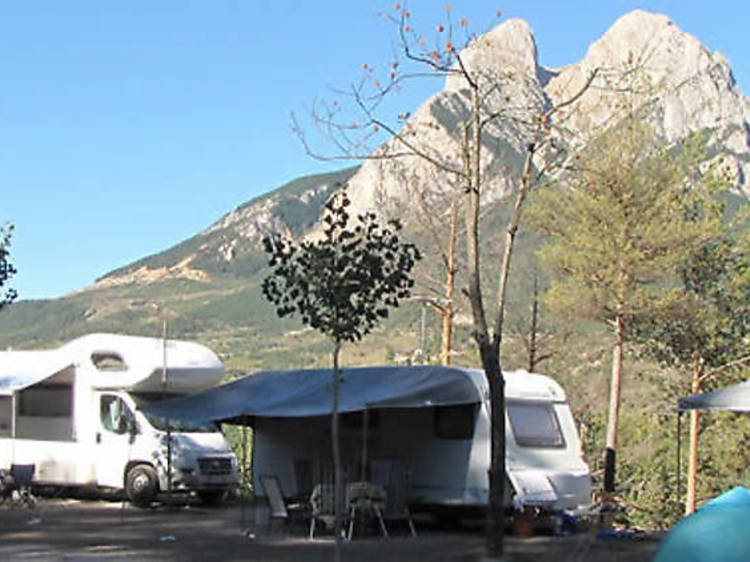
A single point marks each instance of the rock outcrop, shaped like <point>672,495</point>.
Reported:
<point>689,88</point>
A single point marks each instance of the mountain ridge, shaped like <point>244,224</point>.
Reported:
<point>697,94</point>
<point>210,281</point>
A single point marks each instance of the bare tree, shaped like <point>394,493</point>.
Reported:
<point>7,270</point>
<point>477,125</point>
<point>437,214</point>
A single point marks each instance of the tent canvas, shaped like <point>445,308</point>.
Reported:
<point>23,369</point>
<point>717,531</point>
<point>308,393</point>
<point>734,398</point>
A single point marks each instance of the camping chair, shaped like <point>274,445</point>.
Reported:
<point>365,499</point>
<point>275,500</point>
<point>7,485</point>
<point>323,507</point>
<point>394,478</point>
<point>19,484</point>
<point>279,509</point>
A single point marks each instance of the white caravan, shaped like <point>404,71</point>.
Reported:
<point>74,412</point>
<point>431,422</point>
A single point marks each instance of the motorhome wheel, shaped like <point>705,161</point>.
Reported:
<point>141,485</point>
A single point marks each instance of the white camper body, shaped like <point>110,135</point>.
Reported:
<point>74,412</point>
<point>445,448</point>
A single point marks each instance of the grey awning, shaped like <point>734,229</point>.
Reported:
<point>19,370</point>
<point>304,393</point>
<point>734,398</point>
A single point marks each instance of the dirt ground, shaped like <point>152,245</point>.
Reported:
<point>57,529</point>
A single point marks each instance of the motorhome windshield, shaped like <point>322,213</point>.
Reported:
<point>164,424</point>
<point>535,424</point>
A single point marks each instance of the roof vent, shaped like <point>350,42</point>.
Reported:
<point>108,361</point>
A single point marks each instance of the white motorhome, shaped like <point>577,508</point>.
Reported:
<point>75,413</point>
<point>432,421</point>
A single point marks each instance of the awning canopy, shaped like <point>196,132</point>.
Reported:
<point>734,398</point>
<point>19,370</point>
<point>307,393</point>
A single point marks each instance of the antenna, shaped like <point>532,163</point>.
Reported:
<point>164,382</point>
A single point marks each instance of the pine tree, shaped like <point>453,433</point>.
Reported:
<point>631,211</point>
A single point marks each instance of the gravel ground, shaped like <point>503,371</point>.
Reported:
<point>99,530</point>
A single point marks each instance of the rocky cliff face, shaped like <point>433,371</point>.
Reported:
<point>691,87</point>
<point>505,55</point>
<point>685,87</point>
<point>233,243</point>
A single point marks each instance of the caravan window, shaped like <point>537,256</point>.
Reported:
<point>455,422</point>
<point>535,424</point>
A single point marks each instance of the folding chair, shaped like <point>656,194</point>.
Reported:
<point>22,475</point>
<point>394,478</point>
<point>275,499</point>
<point>323,507</point>
<point>7,485</point>
<point>365,500</point>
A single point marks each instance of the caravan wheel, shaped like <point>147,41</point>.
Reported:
<point>141,485</point>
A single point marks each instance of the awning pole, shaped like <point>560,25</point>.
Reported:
<point>244,490</point>
<point>13,427</point>
<point>365,424</point>
<point>679,455</point>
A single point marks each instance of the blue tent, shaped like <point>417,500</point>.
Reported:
<point>718,532</point>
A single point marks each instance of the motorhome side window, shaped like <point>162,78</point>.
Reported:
<point>115,414</point>
<point>46,401</point>
<point>455,422</point>
<point>535,424</point>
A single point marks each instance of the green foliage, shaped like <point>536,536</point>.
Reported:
<point>8,295</point>
<point>630,214</point>
<point>621,224</point>
<point>343,283</point>
<point>708,315</point>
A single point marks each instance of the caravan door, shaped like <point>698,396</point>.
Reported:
<point>113,440</point>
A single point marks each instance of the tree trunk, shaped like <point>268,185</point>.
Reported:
<point>448,309</point>
<point>338,473</point>
<point>614,408</point>
<point>692,471</point>
<point>496,472</point>
<point>446,346</point>
<point>489,353</point>
<point>534,325</point>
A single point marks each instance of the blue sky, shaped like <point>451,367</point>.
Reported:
<point>126,127</point>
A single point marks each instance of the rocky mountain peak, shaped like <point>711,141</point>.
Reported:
<point>668,54</point>
<point>688,89</point>
<point>509,46</point>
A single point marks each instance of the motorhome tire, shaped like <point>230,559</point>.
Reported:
<point>212,497</point>
<point>141,485</point>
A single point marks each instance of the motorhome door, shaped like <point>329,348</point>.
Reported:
<point>113,440</point>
